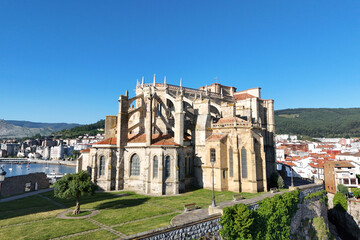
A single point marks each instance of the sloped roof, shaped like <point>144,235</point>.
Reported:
<point>243,96</point>
<point>216,137</point>
<point>108,141</point>
<point>341,164</point>
<point>87,150</point>
<point>230,120</point>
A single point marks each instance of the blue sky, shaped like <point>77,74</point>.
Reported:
<point>68,61</point>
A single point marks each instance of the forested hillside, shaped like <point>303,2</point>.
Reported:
<point>91,129</point>
<point>25,129</point>
<point>319,122</point>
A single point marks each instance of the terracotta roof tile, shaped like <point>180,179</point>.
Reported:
<point>230,120</point>
<point>243,96</point>
<point>85,150</point>
<point>216,137</point>
<point>342,164</point>
<point>108,141</point>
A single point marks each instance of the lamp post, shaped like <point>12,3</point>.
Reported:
<point>2,174</point>
<point>2,177</point>
<point>212,160</point>
<point>292,179</point>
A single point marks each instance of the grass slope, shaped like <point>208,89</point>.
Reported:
<point>319,122</point>
<point>129,213</point>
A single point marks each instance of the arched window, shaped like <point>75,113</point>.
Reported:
<point>231,162</point>
<point>102,166</point>
<point>134,165</point>
<point>243,163</point>
<point>167,167</point>
<point>155,166</point>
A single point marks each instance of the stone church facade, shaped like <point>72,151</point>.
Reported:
<point>161,141</point>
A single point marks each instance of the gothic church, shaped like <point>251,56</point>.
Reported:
<point>161,140</point>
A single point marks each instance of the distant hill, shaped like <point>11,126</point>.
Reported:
<point>319,122</point>
<point>91,129</point>
<point>20,129</point>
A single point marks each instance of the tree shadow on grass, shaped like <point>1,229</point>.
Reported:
<point>122,203</point>
<point>36,205</point>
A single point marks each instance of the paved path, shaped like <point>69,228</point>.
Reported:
<point>107,228</point>
<point>25,195</point>
<point>199,214</point>
<point>63,214</point>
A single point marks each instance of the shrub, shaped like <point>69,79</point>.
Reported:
<point>356,192</point>
<point>270,221</point>
<point>237,222</point>
<point>343,189</point>
<point>340,201</point>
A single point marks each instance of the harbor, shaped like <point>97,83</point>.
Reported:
<point>24,167</point>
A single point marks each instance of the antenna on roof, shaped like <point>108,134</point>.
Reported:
<point>154,81</point>
<point>216,79</point>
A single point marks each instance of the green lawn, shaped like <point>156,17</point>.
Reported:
<point>129,214</point>
<point>46,229</point>
<point>145,225</point>
<point>101,234</point>
<point>27,209</point>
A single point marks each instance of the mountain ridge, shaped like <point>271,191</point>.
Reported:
<point>20,129</point>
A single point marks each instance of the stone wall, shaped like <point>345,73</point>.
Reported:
<point>302,224</point>
<point>209,227</point>
<point>24,183</point>
<point>349,221</point>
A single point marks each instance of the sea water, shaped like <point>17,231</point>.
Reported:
<point>16,169</point>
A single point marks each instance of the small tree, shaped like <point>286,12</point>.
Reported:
<point>356,192</point>
<point>280,182</point>
<point>343,189</point>
<point>276,180</point>
<point>74,186</point>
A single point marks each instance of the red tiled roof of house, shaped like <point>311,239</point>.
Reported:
<point>342,164</point>
<point>85,150</point>
<point>230,120</point>
<point>108,141</point>
<point>243,96</point>
<point>319,165</point>
<point>216,137</point>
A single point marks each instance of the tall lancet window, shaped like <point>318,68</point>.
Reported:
<point>155,167</point>
<point>243,163</point>
<point>167,167</point>
<point>102,166</point>
<point>231,163</point>
<point>134,165</point>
